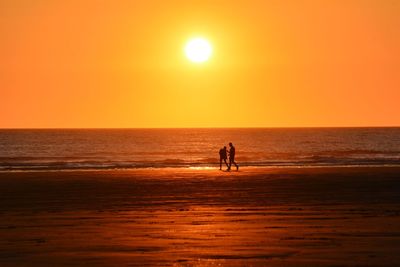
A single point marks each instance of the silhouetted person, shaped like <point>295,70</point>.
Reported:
<point>232,157</point>
<point>223,156</point>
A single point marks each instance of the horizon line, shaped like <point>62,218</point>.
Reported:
<point>166,128</point>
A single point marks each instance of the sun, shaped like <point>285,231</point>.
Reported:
<point>198,50</point>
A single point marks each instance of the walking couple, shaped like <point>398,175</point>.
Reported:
<point>223,156</point>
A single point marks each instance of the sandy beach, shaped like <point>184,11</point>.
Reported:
<point>346,216</point>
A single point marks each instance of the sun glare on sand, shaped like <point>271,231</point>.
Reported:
<point>198,50</point>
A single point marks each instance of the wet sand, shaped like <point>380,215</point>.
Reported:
<point>181,217</point>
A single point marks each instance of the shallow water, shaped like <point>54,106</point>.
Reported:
<point>139,148</point>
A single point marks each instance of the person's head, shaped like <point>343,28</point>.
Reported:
<point>230,144</point>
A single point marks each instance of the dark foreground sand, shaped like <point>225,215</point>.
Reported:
<point>256,217</point>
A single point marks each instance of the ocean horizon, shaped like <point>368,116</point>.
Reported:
<point>74,149</point>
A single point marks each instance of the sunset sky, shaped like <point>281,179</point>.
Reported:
<point>93,63</point>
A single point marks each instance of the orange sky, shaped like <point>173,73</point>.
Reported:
<point>93,63</point>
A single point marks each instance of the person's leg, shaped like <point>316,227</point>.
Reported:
<point>234,162</point>
<point>230,164</point>
<point>220,163</point>
<point>226,163</point>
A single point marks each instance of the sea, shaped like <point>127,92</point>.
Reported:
<point>74,149</point>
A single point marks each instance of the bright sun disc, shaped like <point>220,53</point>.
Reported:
<point>198,50</point>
